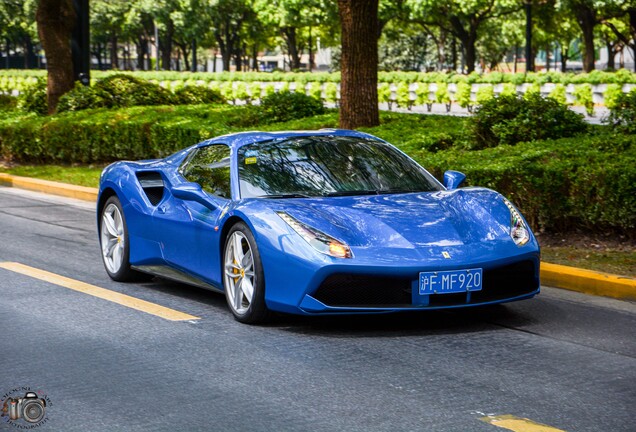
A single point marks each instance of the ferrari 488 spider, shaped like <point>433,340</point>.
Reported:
<point>316,222</point>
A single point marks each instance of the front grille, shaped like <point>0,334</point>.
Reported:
<point>364,290</point>
<point>513,280</point>
<point>351,290</point>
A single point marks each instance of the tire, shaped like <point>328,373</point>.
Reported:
<point>114,244</point>
<point>243,277</point>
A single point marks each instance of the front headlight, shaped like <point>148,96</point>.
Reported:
<point>518,228</point>
<point>320,241</point>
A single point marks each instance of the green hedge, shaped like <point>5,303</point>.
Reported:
<point>583,182</point>
<point>587,182</point>
<point>11,78</point>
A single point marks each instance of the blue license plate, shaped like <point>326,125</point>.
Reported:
<point>448,282</point>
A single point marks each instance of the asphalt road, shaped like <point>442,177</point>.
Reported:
<point>564,359</point>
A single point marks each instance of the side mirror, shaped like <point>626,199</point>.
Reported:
<point>453,179</point>
<point>192,192</point>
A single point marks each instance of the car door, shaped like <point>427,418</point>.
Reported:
<point>186,229</point>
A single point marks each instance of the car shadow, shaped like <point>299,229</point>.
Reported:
<point>461,320</point>
<point>186,292</point>
<point>448,321</point>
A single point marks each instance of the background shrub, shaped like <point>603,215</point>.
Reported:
<point>583,95</point>
<point>513,119</point>
<point>623,114</point>
<point>559,185</point>
<point>33,98</point>
<point>484,94</point>
<point>462,95</point>
<point>194,95</point>
<point>403,96</point>
<point>8,102</point>
<point>611,95</point>
<point>559,94</point>
<point>84,97</point>
<point>285,106</point>
<point>125,90</point>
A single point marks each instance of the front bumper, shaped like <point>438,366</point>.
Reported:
<point>337,286</point>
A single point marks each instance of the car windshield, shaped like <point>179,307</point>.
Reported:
<point>311,166</point>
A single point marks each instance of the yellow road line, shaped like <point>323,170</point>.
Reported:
<point>518,424</point>
<point>95,291</point>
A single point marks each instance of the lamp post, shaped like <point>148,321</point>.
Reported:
<point>80,43</point>
<point>156,46</point>
<point>529,57</point>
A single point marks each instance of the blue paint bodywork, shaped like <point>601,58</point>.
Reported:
<point>394,235</point>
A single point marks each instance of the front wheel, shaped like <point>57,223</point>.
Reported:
<point>243,279</point>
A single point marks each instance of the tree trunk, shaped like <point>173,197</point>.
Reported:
<point>471,54</point>
<point>289,35</point>
<point>186,55</point>
<point>611,63</point>
<point>142,46</point>
<point>55,20</point>
<point>359,63</point>
<point>311,52</point>
<point>564,59</point>
<point>28,52</point>
<point>547,58</point>
<point>7,45</point>
<point>237,59</point>
<point>468,38</point>
<point>114,62</point>
<point>587,21</point>
<point>255,59</point>
<point>194,55</point>
<point>441,50</point>
<point>226,59</point>
<point>632,29</point>
<point>529,56</point>
<point>454,53</point>
<point>166,46</point>
<point>98,55</point>
<point>226,45</point>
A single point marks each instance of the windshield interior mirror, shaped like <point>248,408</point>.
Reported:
<point>453,179</point>
<point>192,192</point>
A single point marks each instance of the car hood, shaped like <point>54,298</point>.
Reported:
<point>445,218</point>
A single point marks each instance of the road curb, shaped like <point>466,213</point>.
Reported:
<point>50,187</point>
<point>554,275</point>
<point>588,281</point>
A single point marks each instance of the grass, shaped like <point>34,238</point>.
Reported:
<point>76,175</point>
<point>609,261</point>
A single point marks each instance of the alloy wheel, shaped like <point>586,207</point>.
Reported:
<point>113,239</point>
<point>239,272</point>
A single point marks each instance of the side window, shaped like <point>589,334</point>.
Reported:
<point>210,167</point>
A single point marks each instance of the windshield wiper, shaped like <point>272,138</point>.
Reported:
<point>397,191</point>
<point>285,195</point>
<point>351,193</point>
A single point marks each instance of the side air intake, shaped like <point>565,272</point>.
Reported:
<point>152,184</point>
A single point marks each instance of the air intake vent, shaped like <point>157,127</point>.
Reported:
<point>152,184</point>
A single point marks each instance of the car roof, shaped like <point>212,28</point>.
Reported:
<point>240,139</point>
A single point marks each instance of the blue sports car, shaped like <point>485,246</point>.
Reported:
<point>316,222</point>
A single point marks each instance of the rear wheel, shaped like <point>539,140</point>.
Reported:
<point>113,238</point>
<point>243,278</point>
